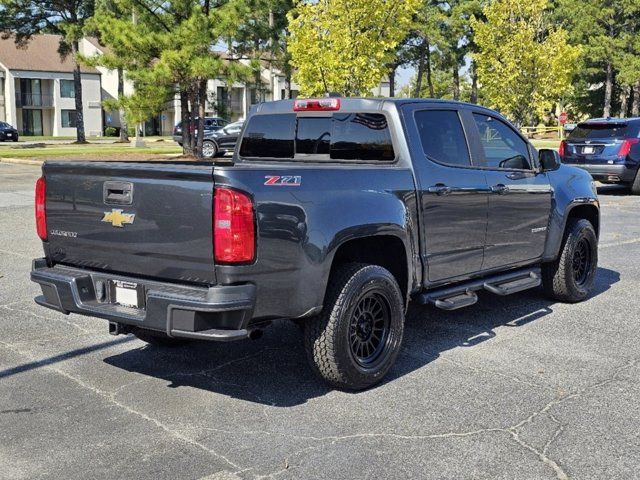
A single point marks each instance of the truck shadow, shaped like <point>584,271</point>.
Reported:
<point>274,370</point>
<point>613,191</point>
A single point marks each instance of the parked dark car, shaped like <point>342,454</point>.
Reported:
<point>607,148</point>
<point>7,132</point>
<point>211,124</point>
<point>334,213</point>
<point>221,141</point>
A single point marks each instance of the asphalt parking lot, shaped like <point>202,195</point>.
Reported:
<point>511,388</point>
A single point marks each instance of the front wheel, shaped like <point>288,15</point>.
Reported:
<point>570,278</point>
<point>356,338</point>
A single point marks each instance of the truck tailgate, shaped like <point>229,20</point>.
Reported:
<point>147,219</point>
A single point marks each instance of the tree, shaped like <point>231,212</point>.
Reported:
<point>346,45</point>
<point>457,38</point>
<point>627,59</point>
<point>24,18</point>
<point>524,62</point>
<point>167,50</point>
<point>600,28</point>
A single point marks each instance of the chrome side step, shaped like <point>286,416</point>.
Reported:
<point>463,294</point>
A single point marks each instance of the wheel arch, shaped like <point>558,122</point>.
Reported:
<point>588,209</point>
<point>387,250</point>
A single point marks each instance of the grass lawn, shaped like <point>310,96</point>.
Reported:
<point>91,152</point>
<point>555,144</point>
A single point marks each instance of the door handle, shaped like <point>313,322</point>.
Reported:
<point>439,189</point>
<point>500,189</point>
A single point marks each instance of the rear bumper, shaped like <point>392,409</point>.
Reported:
<point>609,173</point>
<point>215,313</point>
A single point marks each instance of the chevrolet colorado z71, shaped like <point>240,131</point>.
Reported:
<point>334,213</point>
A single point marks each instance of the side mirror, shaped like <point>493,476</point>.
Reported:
<point>548,159</point>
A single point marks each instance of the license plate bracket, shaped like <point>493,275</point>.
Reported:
<point>588,150</point>
<point>127,294</point>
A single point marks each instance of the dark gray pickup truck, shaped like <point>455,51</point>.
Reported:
<point>334,213</point>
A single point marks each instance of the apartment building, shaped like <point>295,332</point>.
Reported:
<point>37,93</point>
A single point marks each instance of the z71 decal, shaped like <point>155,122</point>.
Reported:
<point>283,180</point>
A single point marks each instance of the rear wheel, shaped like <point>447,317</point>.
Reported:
<point>571,277</point>
<point>158,339</point>
<point>354,342</point>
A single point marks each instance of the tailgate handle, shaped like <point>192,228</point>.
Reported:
<point>118,193</point>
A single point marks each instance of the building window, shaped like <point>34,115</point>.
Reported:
<point>67,89</point>
<point>292,94</point>
<point>68,118</point>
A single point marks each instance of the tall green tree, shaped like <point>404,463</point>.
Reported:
<point>167,50</point>
<point>627,59</point>
<point>262,40</point>
<point>523,61</point>
<point>346,45</point>
<point>22,19</point>
<point>458,39</point>
<point>600,27</point>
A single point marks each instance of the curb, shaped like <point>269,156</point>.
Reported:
<point>21,161</point>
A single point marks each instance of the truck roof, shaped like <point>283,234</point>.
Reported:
<point>359,103</point>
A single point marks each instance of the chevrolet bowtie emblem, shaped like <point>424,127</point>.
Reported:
<point>118,219</point>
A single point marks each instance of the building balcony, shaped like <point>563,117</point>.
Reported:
<point>36,100</point>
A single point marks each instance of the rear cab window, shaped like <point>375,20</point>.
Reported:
<point>338,137</point>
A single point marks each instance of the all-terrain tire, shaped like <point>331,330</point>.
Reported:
<point>634,188</point>
<point>158,339</point>
<point>565,279</point>
<point>330,337</point>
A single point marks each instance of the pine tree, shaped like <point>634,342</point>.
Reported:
<point>168,51</point>
<point>22,19</point>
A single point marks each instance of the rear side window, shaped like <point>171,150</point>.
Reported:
<point>269,136</point>
<point>342,136</point>
<point>442,137</point>
<point>594,131</point>
<point>503,148</point>
<point>361,136</point>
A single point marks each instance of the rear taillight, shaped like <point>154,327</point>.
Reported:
<point>625,148</point>
<point>41,212</point>
<point>315,105</point>
<point>233,227</point>
<point>563,148</point>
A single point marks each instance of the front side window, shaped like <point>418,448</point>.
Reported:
<point>503,148</point>
<point>68,118</point>
<point>442,137</point>
<point>67,89</point>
